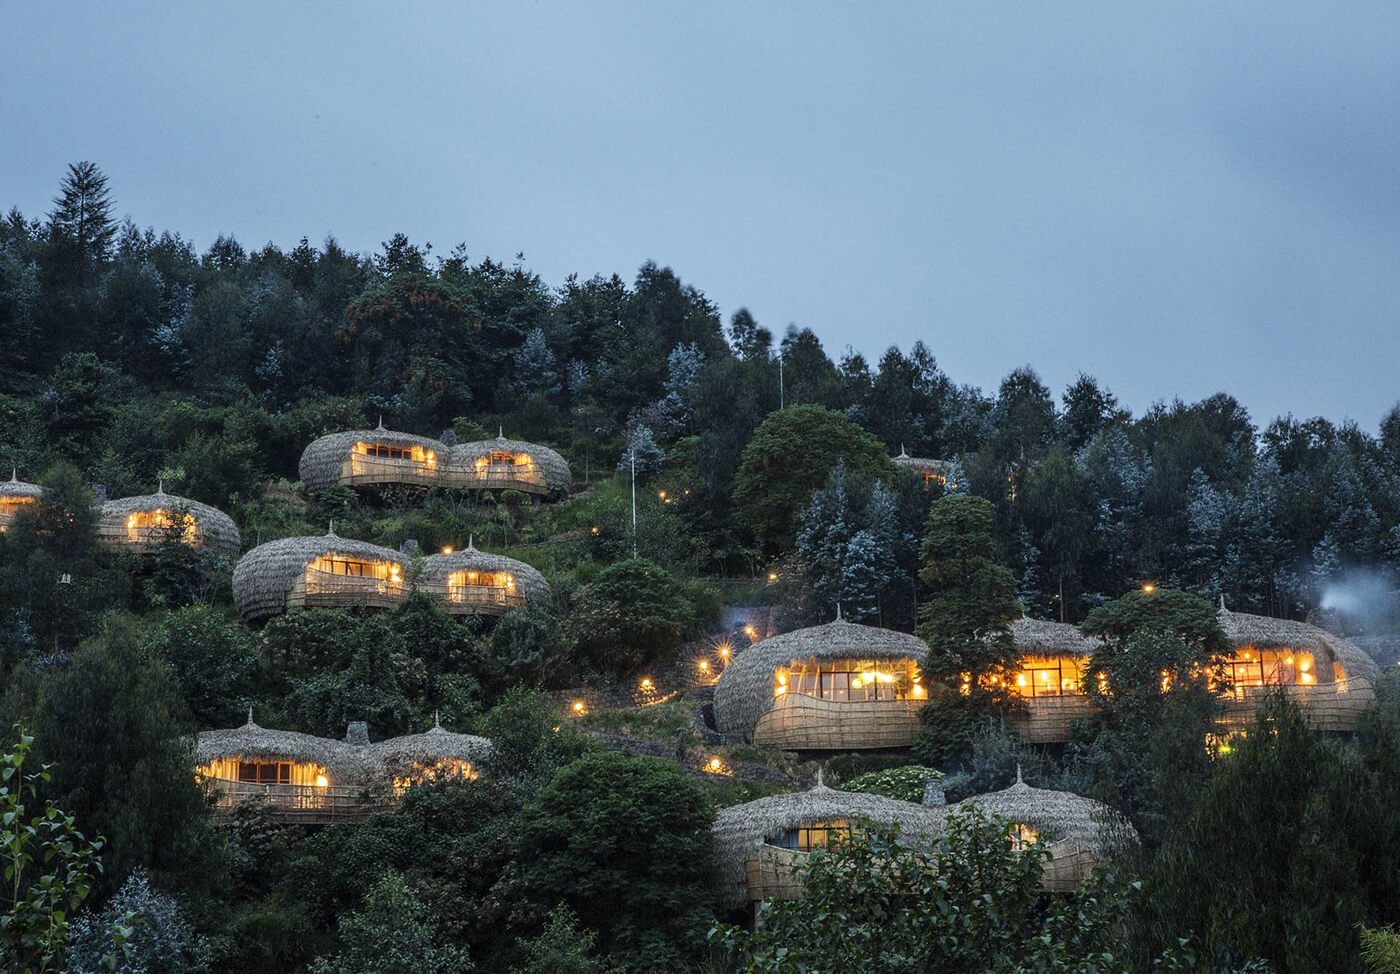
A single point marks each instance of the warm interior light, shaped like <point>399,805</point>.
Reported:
<point>772,576</point>
<point>647,685</point>
<point>579,708</point>
<point>322,781</point>
<point>715,765</point>
<point>856,684</point>
<point>918,691</point>
<point>1149,588</point>
<point>704,665</point>
<point>1020,679</point>
<point>447,550</point>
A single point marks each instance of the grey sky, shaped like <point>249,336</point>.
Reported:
<point>1178,201</point>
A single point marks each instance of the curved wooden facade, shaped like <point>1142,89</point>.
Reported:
<point>799,722</point>
<point>379,457</point>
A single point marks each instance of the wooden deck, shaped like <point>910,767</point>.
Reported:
<point>316,589</point>
<point>365,471</point>
<point>299,804</point>
<point>798,722</point>
<point>482,599</point>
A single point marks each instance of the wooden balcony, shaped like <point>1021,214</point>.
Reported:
<point>299,804</point>
<point>798,722</point>
<point>1333,707</point>
<point>1047,719</point>
<point>328,590</point>
<point>482,599</point>
<point>370,471</point>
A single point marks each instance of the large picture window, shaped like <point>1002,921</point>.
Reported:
<point>852,681</point>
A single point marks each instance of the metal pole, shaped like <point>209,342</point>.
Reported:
<point>782,397</point>
<point>634,496</point>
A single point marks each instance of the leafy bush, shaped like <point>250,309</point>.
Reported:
<point>906,784</point>
<point>155,937</point>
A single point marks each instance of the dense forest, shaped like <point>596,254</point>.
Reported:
<point>763,475</point>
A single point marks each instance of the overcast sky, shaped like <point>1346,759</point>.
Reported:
<point>1200,198</point>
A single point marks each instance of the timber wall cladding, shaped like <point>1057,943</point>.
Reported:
<point>798,722</point>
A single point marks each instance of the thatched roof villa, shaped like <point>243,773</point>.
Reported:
<point>840,686</point>
<point>934,472</point>
<point>756,844</point>
<point>370,458</point>
<point>1078,832</point>
<point>147,520</point>
<point>325,571</point>
<point>1329,676</point>
<point>14,495</point>
<point>317,780</point>
<point>474,581</point>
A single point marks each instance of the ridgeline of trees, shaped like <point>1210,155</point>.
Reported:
<point>131,357</point>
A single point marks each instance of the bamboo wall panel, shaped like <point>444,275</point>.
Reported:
<point>798,722</point>
<point>1329,706</point>
<point>1048,719</point>
<point>368,471</point>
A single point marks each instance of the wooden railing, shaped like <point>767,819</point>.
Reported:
<point>487,598</point>
<point>366,470</point>
<point>1329,706</point>
<point>304,804</point>
<point>330,590</point>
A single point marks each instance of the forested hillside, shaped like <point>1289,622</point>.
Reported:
<point>762,467</point>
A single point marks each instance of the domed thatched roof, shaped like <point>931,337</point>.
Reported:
<point>321,461</point>
<point>745,688</point>
<point>529,582</point>
<point>740,830</point>
<point>1039,637</point>
<point>1264,632</point>
<point>14,487</point>
<point>213,527</point>
<point>923,465</point>
<point>1055,815</point>
<point>342,761</point>
<point>436,744</point>
<point>266,574</point>
<point>554,467</point>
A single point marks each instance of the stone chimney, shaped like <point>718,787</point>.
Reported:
<point>411,547</point>
<point>449,437</point>
<point>100,492</point>
<point>357,733</point>
<point>933,793</point>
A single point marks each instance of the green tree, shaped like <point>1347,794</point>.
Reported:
<point>562,948</point>
<point>625,842</point>
<point>790,455</point>
<point>969,901</point>
<point>965,619</point>
<point>48,869</point>
<point>633,609</point>
<point>112,725</point>
<point>214,659</point>
<point>394,932</point>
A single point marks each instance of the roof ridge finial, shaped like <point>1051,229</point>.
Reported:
<point>471,542</point>
<point>14,475</point>
<point>1222,603</point>
<point>902,454</point>
<point>501,431</point>
<point>437,720</point>
<point>381,422</point>
<point>250,715</point>
<point>330,531</point>
<point>820,782</point>
<point>1018,774</point>
<point>160,487</point>
<point>838,612</point>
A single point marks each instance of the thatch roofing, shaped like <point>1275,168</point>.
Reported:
<point>745,688</point>
<point>215,528</point>
<point>529,582</point>
<point>1039,637</point>
<point>740,830</point>
<point>554,467</point>
<point>923,465</point>
<point>14,487</point>
<point>266,574</point>
<point>1055,815</point>
<point>1264,632</point>
<point>321,461</point>
<point>345,762</point>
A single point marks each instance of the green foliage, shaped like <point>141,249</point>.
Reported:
<point>394,932</point>
<point>790,455</point>
<point>1380,950</point>
<point>1188,617</point>
<point>632,610</point>
<point>562,948</point>
<point>1264,865</point>
<point>625,842</point>
<point>213,658</point>
<point>139,931</point>
<point>906,784</point>
<point>48,871</point>
<point>969,902</point>
<point>112,725</point>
